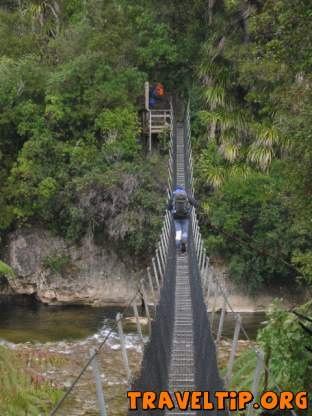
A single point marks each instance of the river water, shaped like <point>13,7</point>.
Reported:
<point>23,319</point>
<point>68,334</point>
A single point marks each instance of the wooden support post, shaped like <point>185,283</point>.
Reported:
<point>256,381</point>
<point>233,351</point>
<point>221,321</point>
<point>98,383</point>
<point>146,307</point>
<point>138,323</point>
<point>123,347</point>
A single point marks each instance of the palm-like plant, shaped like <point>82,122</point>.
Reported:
<point>44,13</point>
<point>240,139</point>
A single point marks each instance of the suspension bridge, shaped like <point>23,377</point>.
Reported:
<point>180,354</point>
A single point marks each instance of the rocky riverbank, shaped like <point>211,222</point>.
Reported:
<point>55,272</point>
<point>58,273</point>
<point>243,301</point>
<point>59,363</point>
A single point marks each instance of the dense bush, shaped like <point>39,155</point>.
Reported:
<point>69,122</point>
<point>251,229</point>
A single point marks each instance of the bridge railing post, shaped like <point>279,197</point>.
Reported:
<point>203,273</point>
<point>98,382</point>
<point>150,281</point>
<point>213,312</point>
<point>221,321</point>
<point>159,265</point>
<point>137,320</point>
<point>156,273</point>
<point>148,316</point>
<point>233,350</point>
<point>167,229</point>
<point>256,380</point>
<point>198,240</point>
<point>123,347</point>
<point>206,276</point>
<point>196,237</point>
<point>202,266</point>
<point>162,256</point>
<point>199,248</point>
<point>210,281</point>
<point>163,244</point>
<point>201,254</point>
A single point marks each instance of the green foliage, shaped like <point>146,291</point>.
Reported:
<point>23,391</point>
<point>56,264</point>
<point>243,371</point>
<point>255,109</point>
<point>285,344</point>
<point>69,112</point>
<point>252,229</point>
<point>6,270</point>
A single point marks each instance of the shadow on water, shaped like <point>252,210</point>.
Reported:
<point>23,319</point>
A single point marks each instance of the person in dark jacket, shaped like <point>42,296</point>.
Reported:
<point>180,206</point>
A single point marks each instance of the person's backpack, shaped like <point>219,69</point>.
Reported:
<point>181,204</point>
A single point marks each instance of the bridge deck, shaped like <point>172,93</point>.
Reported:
<point>181,374</point>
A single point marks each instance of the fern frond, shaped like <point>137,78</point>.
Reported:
<point>267,136</point>
<point>240,171</point>
<point>260,155</point>
<point>226,119</point>
<point>216,176</point>
<point>229,151</point>
<point>215,96</point>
